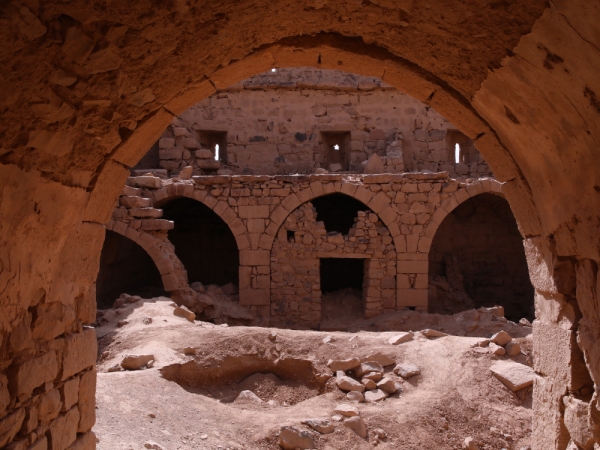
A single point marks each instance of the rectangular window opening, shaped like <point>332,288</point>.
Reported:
<point>335,151</point>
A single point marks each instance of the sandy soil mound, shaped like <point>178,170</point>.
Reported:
<point>188,398</point>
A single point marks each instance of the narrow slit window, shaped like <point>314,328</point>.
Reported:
<point>457,153</point>
<point>336,147</point>
<point>216,152</point>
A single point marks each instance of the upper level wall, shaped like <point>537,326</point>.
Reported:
<point>286,122</point>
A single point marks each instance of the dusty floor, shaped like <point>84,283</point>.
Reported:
<point>454,397</point>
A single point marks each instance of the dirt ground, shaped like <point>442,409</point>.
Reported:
<point>185,401</point>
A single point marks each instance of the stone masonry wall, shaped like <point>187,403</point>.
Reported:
<point>410,206</point>
<point>274,124</point>
<point>295,277</point>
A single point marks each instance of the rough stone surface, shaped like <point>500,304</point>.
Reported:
<point>513,375</point>
<point>323,426</point>
<point>136,362</point>
<point>291,438</point>
<point>406,370</point>
<point>400,338</point>
<point>357,424</point>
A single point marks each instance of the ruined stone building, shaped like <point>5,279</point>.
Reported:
<point>96,95</point>
<point>297,183</point>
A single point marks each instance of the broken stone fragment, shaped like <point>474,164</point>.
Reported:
<point>248,397</point>
<point>375,376</point>
<point>346,384</point>
<point>495,349</point>
<point>346,410</point>
<point>154,446</point>
<point>433,333</point>
<point>186,173</point>
<point>291,438</point>
<point>374,164</point>
<point>322,426</point>
<point>400,338</point>
<point>501,338</point>
<point>367,367</point>
<point>150,182</point>
<point>406,370</point>
<point>375,395</point>
<point>379,357</point>
<point>513,375</point>
<point>368,384</point>
<point>357,425</point>
<point>576,421</point>
<point>136,362</point>
<point>335,167</point>
<point>355,396</point>
<point>185,313</point>
<point>513,348</point>
<point>387,385</point>
<point>343,364</point>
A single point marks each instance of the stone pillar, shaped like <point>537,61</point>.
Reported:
<point>412,281</point>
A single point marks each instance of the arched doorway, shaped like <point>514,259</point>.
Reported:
<point>203,242</point>
<point>477,259</point>
<point>125,267</point>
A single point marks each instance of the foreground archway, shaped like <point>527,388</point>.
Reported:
<point>540,102</point>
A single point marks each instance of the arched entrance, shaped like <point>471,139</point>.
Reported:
<point>203,242</point>
<point>477,259</point>
<point>125,267</point>
<point>333,262</point>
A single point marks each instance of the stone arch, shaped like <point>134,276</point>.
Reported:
<point>219,207</point>
<point>171,269</point>
<point>330,54</point>
<point>539,97</point>
<point>374,266</point>
<point>460,196</point>
<point>379,203</point>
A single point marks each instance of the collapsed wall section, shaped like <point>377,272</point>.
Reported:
<point>300,248</point>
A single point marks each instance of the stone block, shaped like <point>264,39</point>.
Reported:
<point>170,153</point>
<point>379,202</point>
<point>255,258</point>
<point>157,224</point>
<point>166,143</point>
<point>208,164</point>
<point>204,153</point>
<point>86,441</point>
<point>49,405</point>
<point>413,266</point>
<point>63,430</point>
<point>69,393</point>
<point>148,182</point>
<point>190,143</point>
<point>255,297</point>
<point>146,213</point>
<point>254,212</point>
<point>79,352</point>
<point>87,401</point>
<point>134,202</point>
<point>412,297</point>
<point>513,375</point>
<point>28,375</point>
<point>10,426</point>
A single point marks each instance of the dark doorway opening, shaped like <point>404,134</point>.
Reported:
<point>477,259</point>
<point>338,211</point>
<point>341,273</point>
<point>125,268</point>
<point>203,242</point>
